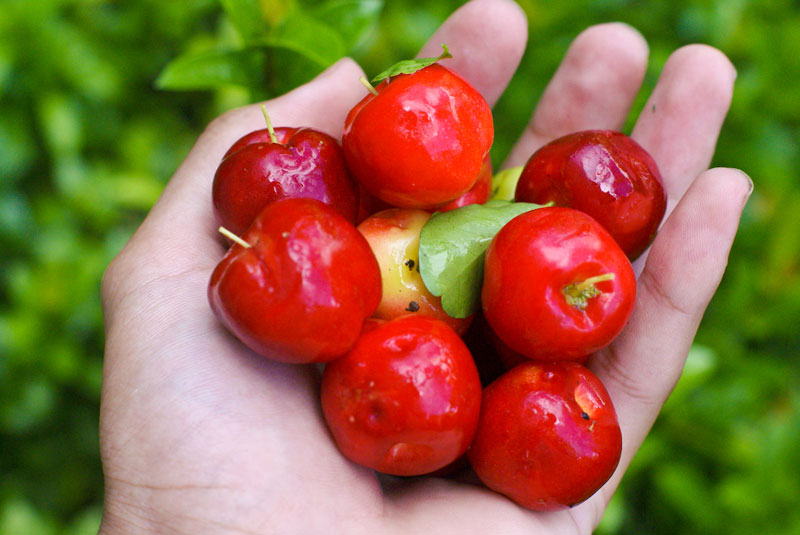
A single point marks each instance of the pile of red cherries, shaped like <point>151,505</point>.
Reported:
<point>324,268</point>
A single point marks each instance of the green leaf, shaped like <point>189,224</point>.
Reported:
<point>452,247</point>
<point>354,19</point>
<point>247,18</point>
<point>408,66</point>
<point>504,184</point>
<point>307,36</point>
<point>273,11</point>
<point>211,69</point>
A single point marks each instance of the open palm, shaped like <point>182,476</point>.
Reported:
<point>199,435</point>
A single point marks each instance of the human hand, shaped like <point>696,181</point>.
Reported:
<point>199,435</point>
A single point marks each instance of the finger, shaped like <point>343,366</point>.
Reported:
<point>593,88</point>
<point>487,39</point>
<point>686,263</point>
<point>680,123</point>
<point>183,220</point>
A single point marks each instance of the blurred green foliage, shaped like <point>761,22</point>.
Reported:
<point>87,142</point>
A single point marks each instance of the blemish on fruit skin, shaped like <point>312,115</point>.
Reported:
<point>584,416</point>
<point>413,306</point>
<point>410,264</point>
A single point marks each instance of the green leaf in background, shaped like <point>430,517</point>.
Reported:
<point>307,36</point>
<point>452,246</point>
<point>354,19</point>
<point>273,11</point>
<point>407,66</point>
<point>211,69</point>
<point>247,17</point>
<point>504,184</point>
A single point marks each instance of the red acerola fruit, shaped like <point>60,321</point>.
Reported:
<point>556,285</point>
<point>605,174</point>
<point>478,193</point>
<point>548,436</point>
<point>302,289</point>
<point>405,400</point>
<point>421,141</point>
<point>301,163</point>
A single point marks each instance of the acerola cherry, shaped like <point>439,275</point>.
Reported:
<point>548,436</point>
<point>301,162</point>
<point>406,399</point>
<point>556,285</point>
<point>605,174</point>
<point>478,193</point>
<point>421,140</point>
<point>302,289</point>
<point>394,237</point>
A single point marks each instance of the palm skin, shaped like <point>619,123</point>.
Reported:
<point>199,435</point>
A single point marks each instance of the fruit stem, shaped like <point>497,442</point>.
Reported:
<point>227,233</point>
<point>579,293</point>
<point>591,281</point>
<point>368,85</point>
<point>270,129</point>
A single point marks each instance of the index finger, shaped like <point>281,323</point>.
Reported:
<point>487,39</point>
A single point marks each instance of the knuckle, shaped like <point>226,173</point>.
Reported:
<point>623,380</point>
<point>655,287</point>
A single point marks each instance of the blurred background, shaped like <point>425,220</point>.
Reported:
<point>101,100</point>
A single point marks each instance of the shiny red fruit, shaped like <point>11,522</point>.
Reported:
<point>406,399</point>
<point>304,163</point>
<point>556,285</point>
<point>303,289</point>
<point>548,436</point>
<point>478,193</point>
<point>421,141</point>
<point>605,174</point>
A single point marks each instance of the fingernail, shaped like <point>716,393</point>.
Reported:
<point>750,182</point>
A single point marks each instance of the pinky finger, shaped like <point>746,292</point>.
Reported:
<point>685,266</point>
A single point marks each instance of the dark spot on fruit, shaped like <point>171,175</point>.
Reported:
<point>584,416</point>
<point>413,306</point>
<point>410,264</point>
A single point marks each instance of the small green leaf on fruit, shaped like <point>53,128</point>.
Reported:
<point>452,248</point>
<point>504,183</point>
<point>408,66</point>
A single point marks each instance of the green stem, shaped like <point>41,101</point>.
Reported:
<point>579,293</point>
<point>368,85</point>
<point>270,129</point>
<point>227,233</point>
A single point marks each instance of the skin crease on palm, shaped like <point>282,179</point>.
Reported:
<point>200,436</point>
